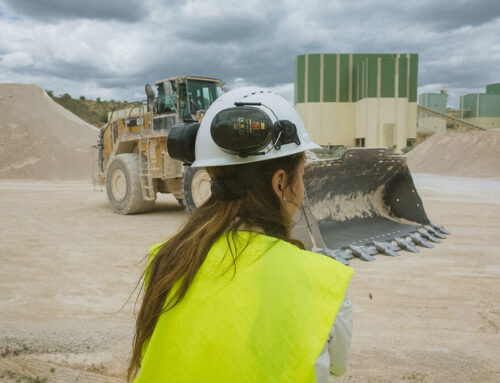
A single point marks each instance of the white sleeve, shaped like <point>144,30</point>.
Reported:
<point>334,356</point>
<point>339,341</point>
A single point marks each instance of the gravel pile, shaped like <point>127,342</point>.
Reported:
<point>40,140</point>
<point>471,154</point>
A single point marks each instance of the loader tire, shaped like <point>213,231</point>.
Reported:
<point>123,185</point>
<point>196,187</point>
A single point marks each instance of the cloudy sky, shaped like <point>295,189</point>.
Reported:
<point>111,48</point>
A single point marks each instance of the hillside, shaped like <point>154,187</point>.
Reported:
<point>40,139</point>
<point>95,112</point>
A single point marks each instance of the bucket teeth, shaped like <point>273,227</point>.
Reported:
<point>407,245</point>
<point>363,252</point>
<point>342,256</point>
<point>440,228</point>
<point>434,232</point>
<point>346,254</point>
<point>393,247</point>
<point>339,255</point>
<point>420,240</point>
<point>424,233</point>
<point>386,248</point>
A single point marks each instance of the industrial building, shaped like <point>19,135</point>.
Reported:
<point>482,109</point>
<point>436,102</point>
<point>366,100</point>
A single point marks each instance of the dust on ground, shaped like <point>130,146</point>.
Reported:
<point>69,265</point>
<point>434,316</point>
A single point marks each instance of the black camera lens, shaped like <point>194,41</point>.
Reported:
<point>181,142</point>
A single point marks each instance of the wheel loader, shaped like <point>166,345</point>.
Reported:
<point>360,204</point>
<point>132,159</point>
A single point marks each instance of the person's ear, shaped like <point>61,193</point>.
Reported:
<point>278,182</point>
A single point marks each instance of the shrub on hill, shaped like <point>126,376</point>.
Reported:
<point>93,112</point>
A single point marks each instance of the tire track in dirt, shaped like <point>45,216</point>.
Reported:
<point>29,369</point>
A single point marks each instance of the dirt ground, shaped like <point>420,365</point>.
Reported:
<point>68,266</point>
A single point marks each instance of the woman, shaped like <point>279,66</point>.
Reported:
<point>232,297</point>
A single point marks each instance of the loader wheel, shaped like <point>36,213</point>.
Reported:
<point>123,185</point>
<point>196,188</point>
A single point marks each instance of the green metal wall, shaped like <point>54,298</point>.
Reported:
<point>493,88</point>
<point>313,74</point>
<point>299,87</point>
<point>330,78</point>
<point>434,101</point>
<point>357,77</point>
<point>480,105</point>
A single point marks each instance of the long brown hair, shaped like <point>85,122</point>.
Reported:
<point>182,255</point>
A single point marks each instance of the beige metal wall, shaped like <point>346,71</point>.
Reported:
<point>319,117</point>
<point>381,121</point>
<point>485,122</point>
<point>434,124</point>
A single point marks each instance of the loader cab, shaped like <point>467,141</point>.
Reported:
<point>167,98</point>
<point>201,94</point>
<point>196,96</point>
<point>190,97</point>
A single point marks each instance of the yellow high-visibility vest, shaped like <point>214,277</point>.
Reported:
<point>267,320</point>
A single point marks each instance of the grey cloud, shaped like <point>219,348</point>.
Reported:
<point>447,15</point>
<point>221,30</point>
<point>121,83</point>
<point>459,76</point>
<point>392,15</point>
<point>75,72</point>
<point>260,47</point>
<point>231,44</point>
<point>53,10</point>
<point>258,63</point>
<point>231,22</point>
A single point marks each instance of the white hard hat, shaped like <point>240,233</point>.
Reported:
<point>263,110</point>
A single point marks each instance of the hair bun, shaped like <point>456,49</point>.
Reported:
<point>219,190</point>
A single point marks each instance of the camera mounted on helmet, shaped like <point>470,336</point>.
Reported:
<point>181,141</point>
<point>242,126</point>
<point>243,130</point>
<point>246,130</point>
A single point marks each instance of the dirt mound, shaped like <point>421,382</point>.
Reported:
<point>40,139</point>
<point>472,154</point>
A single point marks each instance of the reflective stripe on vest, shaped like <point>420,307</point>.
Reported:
<point>265,321</point>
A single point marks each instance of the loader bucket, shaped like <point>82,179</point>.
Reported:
<point>361,204</point>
